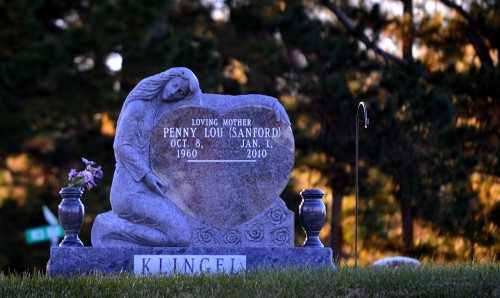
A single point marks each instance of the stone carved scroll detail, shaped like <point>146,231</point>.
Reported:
<point>206,236</point>
<point>277,215</point>
<point>231,237</point>
<point>280,236</point>
<point>254,232</point>
<point>273,227</point>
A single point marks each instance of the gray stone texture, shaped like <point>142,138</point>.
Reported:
<point>67,261</point>
<point>229,177</point>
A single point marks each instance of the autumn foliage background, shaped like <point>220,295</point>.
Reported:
<point>427,70</point>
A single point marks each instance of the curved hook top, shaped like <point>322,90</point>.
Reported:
<point>366,120</point>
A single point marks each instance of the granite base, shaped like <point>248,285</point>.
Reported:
<point>68,261</point>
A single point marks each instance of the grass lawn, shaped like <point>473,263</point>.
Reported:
<point>459,280</point>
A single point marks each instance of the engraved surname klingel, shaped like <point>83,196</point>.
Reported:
<point>188,264</point>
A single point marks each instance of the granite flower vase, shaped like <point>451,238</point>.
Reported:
<point>312,214</point>
<point>71,213</point>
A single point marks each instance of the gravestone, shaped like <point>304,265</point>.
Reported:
<point>198,171</point>
<point>396,261</point>
<point>220,163</point>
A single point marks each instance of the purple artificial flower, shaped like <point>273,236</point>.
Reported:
<point>85,178</point>
<point>98,172</point>
<point>72,173</point>
<point>86,175</point>
<point>88,162</point>
<point>91,184</point>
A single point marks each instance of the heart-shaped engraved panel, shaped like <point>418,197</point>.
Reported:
<point>222,169</point>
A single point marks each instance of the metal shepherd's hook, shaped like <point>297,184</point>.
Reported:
<point>366,122</point>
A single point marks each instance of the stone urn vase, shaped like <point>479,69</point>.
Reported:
<point>71,213</point>
<point>312,214</point>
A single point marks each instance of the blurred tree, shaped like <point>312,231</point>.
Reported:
<point>60,98</point>
<point>425,113</point>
